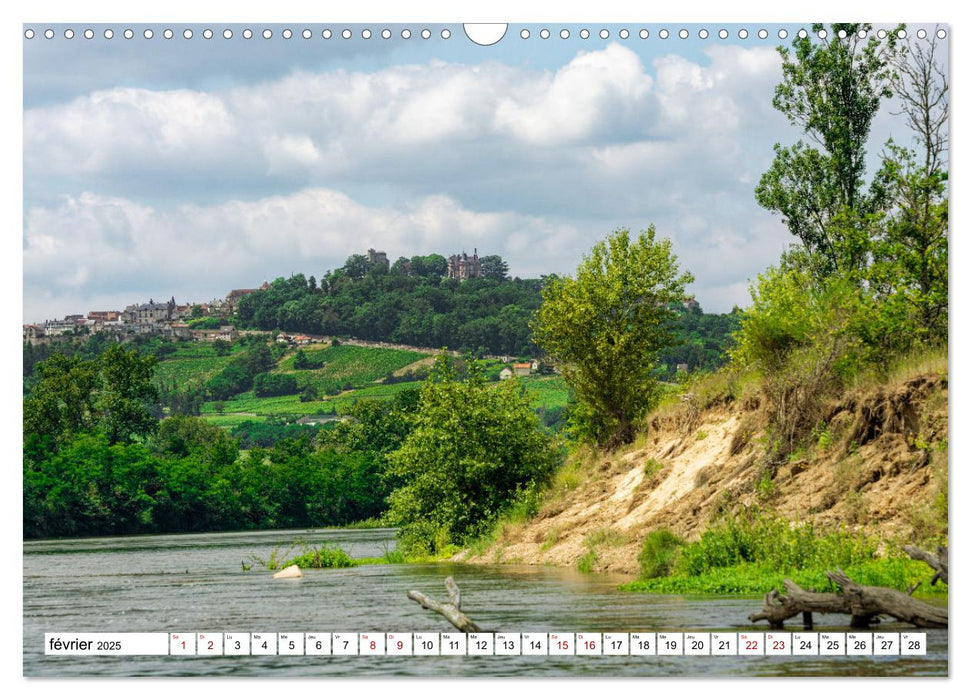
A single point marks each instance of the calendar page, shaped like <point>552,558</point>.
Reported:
<point>540,349</point>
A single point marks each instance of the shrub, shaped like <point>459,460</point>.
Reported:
<point>804,336</point>
<point>274,384</point>
<point>765,538</point>
<point>323,557</point>
<point>658,554</point>
<point>474,449</point>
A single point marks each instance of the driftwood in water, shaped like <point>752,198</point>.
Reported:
<point>451,610</point>
<point>938,561</point>
<point>866,602</point>
<point>863,603</point>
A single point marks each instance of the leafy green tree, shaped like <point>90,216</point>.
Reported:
<point>124,394</point>
<point>805,336</point>
<point>473,449</point>
<point>267,384</point>
<point>113,393</point>
<point>356,266</point>
<point>182,436</point>
<point>831,91</point>
<point>494,267</point>
<point>90,487</point>
<point>61,401</point>
<point>605,328</point>
<point>300,360</point>
<point>910,271</point>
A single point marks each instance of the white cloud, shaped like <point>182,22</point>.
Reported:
<point>77,252</point>
<point>588,97</point>
<point>732,91</point>
<point>338,122</point>
<point>127,128</point>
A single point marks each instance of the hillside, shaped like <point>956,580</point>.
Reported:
<point>878,464</point>
<point>338,375</point>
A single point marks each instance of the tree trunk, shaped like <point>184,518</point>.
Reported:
<point>938,561</point>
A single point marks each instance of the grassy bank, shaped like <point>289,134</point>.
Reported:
<point>754,551</point>
<point>758,579</point>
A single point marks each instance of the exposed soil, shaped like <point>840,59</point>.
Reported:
<point>878,465</point>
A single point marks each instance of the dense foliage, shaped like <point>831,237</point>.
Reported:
<point>111,395</point>
<point>702,342</point>
<point>191,477</point>
<point>96,461</point>
<point>411,304</point>
<point>239,374</point>
<point>869,281</point>
<point>605,330</point>
<point>266,384</point>
<point>473,449</point>
<point>752,551</point>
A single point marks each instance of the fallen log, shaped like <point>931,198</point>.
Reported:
<point>869,601</point>
<point>938,561</point>
<point>451,610</point>
<point>778,607</point>
<point>863,603</point>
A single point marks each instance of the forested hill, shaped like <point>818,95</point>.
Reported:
<point>413,303</point>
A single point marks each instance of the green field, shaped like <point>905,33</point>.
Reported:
<point>293,406</point>
<point>348,365</point>
<point>230,421</point>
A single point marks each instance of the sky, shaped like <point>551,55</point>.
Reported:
<point>189,167</point>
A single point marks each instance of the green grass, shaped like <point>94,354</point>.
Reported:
<point>546,392</point>
<point>194,364</point>
<point>758,579</point>
<point>322,557</point>
<point>229,422</point>
<point>754,551</point>
<point>658,554</point>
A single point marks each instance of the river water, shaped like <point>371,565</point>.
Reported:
<point>196,583</point>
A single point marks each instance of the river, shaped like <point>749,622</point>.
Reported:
<point>196,583</point>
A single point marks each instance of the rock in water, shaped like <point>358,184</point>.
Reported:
<point>289,572</point>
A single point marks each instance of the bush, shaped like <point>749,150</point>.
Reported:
<point>803,336</point>
<point>658,554</point>
<point>474,449</point>
<point>274,385</point>
<point>323,557</point>
<point>752,536</point>
<point>606,327</point>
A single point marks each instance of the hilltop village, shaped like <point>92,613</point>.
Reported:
<point>174,320</point>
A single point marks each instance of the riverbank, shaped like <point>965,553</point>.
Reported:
<point>875,467</point>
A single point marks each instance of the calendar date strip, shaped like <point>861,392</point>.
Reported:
<point>410,644</point>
